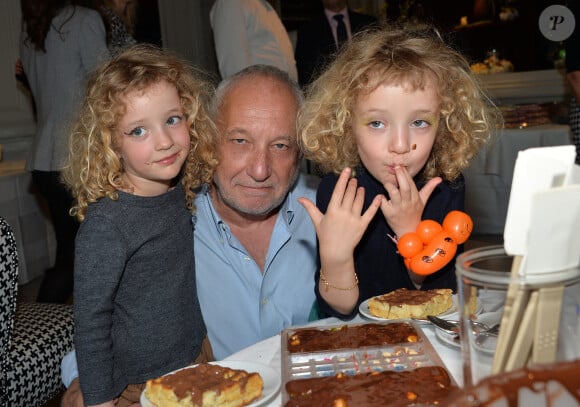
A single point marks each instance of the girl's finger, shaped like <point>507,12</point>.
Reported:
<point>340,187</point>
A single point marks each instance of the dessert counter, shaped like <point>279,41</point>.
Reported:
<point>22,209</point>
<point>489,178</point>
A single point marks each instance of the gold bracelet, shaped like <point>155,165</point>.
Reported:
<point>327,284</point>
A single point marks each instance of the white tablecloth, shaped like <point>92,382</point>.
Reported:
<point>489,178</point>
<point>23,210</point>
<point>268,352</point>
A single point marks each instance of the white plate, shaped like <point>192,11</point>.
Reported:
<point>451,313</point>
<point>271,380</point>
<point>488,346</point>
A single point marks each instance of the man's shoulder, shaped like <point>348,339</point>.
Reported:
<point>306,185</point>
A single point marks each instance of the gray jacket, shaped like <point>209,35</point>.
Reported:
<point>75,44</point>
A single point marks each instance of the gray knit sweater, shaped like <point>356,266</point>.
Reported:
<point>137,315</point>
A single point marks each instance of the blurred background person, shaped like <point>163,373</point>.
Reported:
<point>59,44</point>
<point>319,39</point>
<point>119,17</point>
<point>250,32</point>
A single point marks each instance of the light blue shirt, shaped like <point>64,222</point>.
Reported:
<point>241,305</point>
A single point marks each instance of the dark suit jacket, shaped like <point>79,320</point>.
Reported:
<point>315,44</point>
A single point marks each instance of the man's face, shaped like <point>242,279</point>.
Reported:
<point>257,151</point>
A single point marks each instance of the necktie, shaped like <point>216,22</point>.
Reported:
<point>341,36</point>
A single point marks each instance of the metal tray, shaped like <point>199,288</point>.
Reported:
<point>397,356</point>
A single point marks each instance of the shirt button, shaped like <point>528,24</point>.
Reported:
<point>264,301</point>
<point>247,258</point>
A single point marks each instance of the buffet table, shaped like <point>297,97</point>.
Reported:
<point>25,213</point>
<point>489,178</point>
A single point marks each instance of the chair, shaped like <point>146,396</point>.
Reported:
<point>34,337</point>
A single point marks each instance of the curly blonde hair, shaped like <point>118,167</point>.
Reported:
<point>94,170</point>
<point>402,56</point>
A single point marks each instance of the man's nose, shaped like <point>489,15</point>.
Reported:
<point>259,166</point>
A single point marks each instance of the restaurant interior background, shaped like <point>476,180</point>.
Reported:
<point>509,28</point>
<point>505,29</point>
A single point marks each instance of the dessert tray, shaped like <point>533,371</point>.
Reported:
<point>388,346</point>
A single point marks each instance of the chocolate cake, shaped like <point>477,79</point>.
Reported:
<point>349,337</point>
<point>404,304</point>
<point>422,386</point>
<point>205,385</point>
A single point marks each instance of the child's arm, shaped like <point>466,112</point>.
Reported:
<point>339,232</point>
<point>99,263</point>
<point>405,206</point>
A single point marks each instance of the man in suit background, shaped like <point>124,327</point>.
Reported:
<point>318,40</point>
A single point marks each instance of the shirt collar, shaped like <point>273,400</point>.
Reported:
<point>331,14</point>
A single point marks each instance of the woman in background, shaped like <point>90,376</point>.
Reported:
<point>119,17</point>
<point>59,44</point>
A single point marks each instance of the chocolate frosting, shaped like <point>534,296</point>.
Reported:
<point>349,337</point>
<point>424,386</point>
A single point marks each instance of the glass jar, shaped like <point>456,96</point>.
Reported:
<point>484,276</point>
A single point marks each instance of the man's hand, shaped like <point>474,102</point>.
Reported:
<point>73,397</point>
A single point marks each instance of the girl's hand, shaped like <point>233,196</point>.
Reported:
<point>342,227</point>
<point>406,204</point>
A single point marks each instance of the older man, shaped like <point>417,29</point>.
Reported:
<point>255,246</point>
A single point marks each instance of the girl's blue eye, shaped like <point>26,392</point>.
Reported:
<point>420,123</point>
<point>174,120</point>
<point>137,132</point>
<point>376,124</point>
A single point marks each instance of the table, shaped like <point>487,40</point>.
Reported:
<point>489,178</point>
<point>268,352</point>
<point>27,215</point>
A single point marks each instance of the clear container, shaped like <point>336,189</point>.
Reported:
<point>486,272</point>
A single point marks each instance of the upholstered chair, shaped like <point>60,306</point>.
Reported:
<point>33,338</point>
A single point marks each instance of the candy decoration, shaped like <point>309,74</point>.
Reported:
<point>432,245</point>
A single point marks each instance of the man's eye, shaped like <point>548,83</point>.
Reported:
<point>173,120</point>
<point>281,146</point>
<point>137,132</point>
<point>376,124</point>
<point>239,141</point>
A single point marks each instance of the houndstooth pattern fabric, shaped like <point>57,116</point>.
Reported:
<point>8,293</point>
<point>575,126</point>
<point>41,335</point>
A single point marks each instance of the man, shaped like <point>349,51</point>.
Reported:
<point>250,32</point>
<point>255,246</point>
<point>319,39</point>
